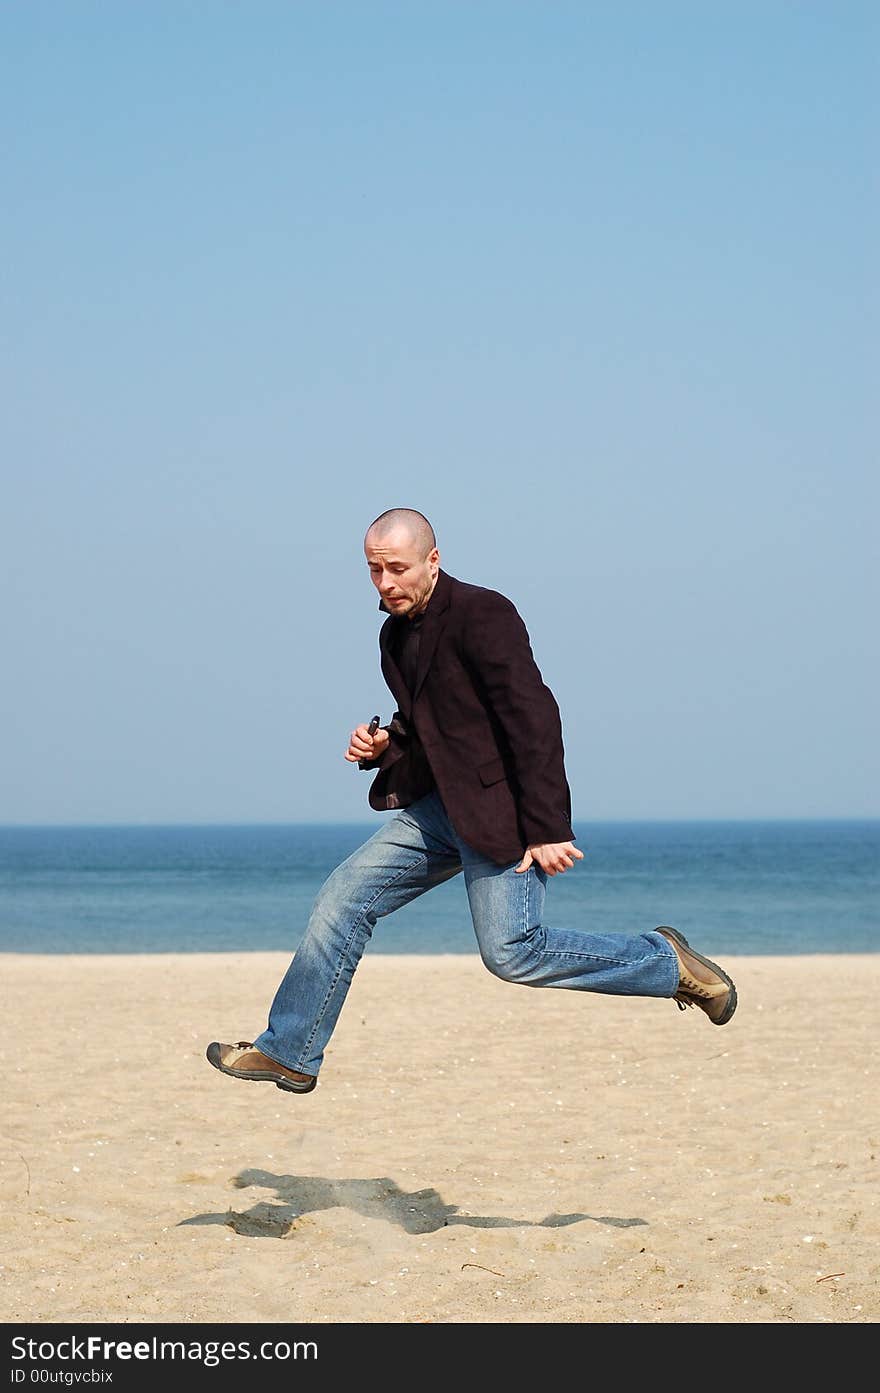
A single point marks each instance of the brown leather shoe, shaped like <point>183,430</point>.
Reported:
<point>242,1061</point>
<point>701,982</point>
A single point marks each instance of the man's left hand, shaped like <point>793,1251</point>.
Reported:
<point>552,857</point>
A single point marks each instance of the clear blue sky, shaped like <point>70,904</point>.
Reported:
<point>593,285</point>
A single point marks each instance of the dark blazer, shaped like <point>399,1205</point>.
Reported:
<point>488,724</point>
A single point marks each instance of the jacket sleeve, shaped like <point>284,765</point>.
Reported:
<point>500,655</point>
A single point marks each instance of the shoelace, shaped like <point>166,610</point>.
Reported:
<point>688,986</point>
<point>692,987</point>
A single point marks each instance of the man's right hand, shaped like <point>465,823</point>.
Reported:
<point>363,745</point>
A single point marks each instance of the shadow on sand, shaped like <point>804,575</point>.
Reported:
<point>414,1211</point>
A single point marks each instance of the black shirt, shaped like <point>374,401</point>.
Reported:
<point>405,644</point>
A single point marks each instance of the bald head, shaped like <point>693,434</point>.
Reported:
<point>408,524</point>
<point>404,562</point>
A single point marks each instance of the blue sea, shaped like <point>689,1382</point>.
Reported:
<point>737,887</point>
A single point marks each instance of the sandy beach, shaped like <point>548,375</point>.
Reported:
<point>474,1151</point>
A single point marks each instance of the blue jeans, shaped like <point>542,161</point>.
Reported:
<point>415,850</point>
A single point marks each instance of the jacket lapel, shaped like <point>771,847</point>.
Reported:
<point>391,672</point>
<point>432,627</point>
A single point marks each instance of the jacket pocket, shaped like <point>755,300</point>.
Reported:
<point>491,773</point>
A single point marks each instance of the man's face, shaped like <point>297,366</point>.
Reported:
<point>401,574</point>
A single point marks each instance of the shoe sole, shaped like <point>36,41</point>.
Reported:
<point>707,962</point>
<point>258,1075</point>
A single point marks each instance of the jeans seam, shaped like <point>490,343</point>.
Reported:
<point>595,957</point>
<point>358,920</point>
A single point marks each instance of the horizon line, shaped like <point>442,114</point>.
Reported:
<point>350,822</point>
